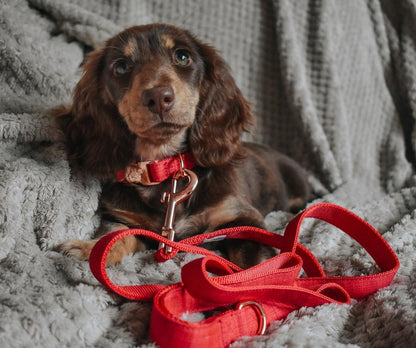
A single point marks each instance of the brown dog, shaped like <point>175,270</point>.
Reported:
<point>153,92</point>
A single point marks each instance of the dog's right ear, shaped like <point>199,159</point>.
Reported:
<point>97,139</point>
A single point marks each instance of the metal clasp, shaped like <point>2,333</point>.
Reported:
<point>174,198</point>
<point>260,312</point>
<point>139,174</point>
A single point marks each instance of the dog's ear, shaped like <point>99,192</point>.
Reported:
<point>98,141</point>
<point>222,114</point>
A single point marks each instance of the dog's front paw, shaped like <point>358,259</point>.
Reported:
<point>80,249</point>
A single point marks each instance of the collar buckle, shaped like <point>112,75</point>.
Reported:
<point>139,173</point>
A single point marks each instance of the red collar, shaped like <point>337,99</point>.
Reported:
<point>154,172</point>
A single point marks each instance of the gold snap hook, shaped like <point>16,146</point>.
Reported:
<point>174,198</point>
<point>181,164</point>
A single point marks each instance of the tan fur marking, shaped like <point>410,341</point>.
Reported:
<point>168,42</point>
<point>130,48</point>
<point>81,249</point>
<point>230,209</point>
<point>140,120</point>
<point>296,204</point>
<point>225,212</point>
<point>123,247</point>
<point>130,218</point>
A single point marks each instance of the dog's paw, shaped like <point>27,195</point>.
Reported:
<point>78,249</point>
<point>81,249</point>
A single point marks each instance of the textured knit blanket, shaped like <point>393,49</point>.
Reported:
<point>333,84</point>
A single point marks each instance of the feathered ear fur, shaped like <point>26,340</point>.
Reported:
<point>98,140</point>
<point>223,114</point>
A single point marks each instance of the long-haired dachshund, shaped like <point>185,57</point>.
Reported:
<point>156,93</point>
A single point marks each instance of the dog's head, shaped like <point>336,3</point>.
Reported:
<point>153,91</point>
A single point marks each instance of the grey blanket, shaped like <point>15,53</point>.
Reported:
<point>333,84</point>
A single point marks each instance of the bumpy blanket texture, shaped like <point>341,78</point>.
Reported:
<point>333,84</point>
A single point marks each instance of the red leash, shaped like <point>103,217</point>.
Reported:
<point>252,298</point>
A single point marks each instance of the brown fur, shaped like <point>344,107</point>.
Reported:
<point>109,126</point>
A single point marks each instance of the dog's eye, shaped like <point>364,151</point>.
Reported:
<point>182,57</point>
<point>121,67</point>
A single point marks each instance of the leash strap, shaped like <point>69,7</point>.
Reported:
<point>253,298</point>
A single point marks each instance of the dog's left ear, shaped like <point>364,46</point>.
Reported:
<point>222,115</point>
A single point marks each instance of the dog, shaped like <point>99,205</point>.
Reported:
<point>156,93</point>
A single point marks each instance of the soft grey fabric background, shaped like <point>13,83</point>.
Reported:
<point>333,84</point>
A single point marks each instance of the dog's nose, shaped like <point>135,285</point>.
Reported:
<point>158,99</point>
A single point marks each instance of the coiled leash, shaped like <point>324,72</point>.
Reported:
<point>253,298</point>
